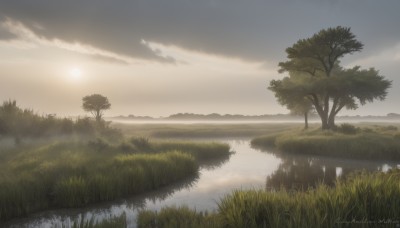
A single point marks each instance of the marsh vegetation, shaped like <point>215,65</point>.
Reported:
<point>371,199</point>
<point>76,173</point>
<point>63,163</point>
<point>346,141</point>
<point>114,161</point>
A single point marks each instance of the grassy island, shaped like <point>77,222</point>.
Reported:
<point>347,141</point>
<point>77,173</point>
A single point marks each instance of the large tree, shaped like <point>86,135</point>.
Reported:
<point>96,104</point>
<point>315,74</point>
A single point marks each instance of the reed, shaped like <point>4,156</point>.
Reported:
<point>172,217</point>
<point>347,142</point>
<point>77,173</point>
<point>361,200</point>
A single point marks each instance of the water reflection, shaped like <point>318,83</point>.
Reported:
<point>301,172</point>
<point>216,162</point>
<point>101,212</point>
<point>247,168</point>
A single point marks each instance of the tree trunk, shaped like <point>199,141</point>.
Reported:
<point>331,122</point>
<point>98,116</point>
<point>305,120</point>
<point>325,113</point>
<point>322,110</point>
<point>324,120</point>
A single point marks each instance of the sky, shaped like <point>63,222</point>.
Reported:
<point>157,57</point>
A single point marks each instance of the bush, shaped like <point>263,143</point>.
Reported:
<point>99,145</point>
<point>347,129</point>
<point>84,126</point>
<point>141,143</point>
<point>127,148</point>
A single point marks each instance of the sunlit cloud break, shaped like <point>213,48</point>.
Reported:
<point>25,39</point>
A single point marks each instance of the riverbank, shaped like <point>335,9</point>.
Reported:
<point>372,142</point>
<point>78,173</point>
<point>362,199</point>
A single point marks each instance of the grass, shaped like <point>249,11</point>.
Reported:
<point>113,222</point>
<point>378,142</point>
<point>201,151</point>
<point>171,217</point>
<point>202,130</point>
<point>367,200</point>
<point>76,173</point>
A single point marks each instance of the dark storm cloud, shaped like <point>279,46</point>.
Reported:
<point>254,30</point>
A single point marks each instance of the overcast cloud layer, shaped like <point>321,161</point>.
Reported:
<point>253,31</point>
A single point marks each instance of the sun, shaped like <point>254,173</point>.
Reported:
<point>75,73</point>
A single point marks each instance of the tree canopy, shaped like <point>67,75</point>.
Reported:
<point>315,75</point>
<point>96,104</point>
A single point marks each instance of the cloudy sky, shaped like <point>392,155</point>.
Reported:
<point>158,57</point>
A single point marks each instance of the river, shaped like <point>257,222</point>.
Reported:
<point>247,168</point>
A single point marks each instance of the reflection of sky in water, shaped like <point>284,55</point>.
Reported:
<point>246,169</point>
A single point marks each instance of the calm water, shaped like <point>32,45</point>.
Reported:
<point>247,168</point>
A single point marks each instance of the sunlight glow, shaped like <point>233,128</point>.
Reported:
<point>75,73</point>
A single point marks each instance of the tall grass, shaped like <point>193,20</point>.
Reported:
<point>362,200</point>
<point>201,151</point>
<point>348,142</point>
<point>113,222</point>
<point>172,217</point>
<point>74,174</point>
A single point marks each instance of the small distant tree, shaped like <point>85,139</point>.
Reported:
<point>303,108</point>
<point>297,105</point>
<point>96,104</point>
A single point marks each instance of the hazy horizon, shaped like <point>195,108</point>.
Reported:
<point>157,58</point>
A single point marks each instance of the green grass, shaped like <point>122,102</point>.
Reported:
<point>75,174</point>
<point>202,130</point>
<point>367,200</point>
<point>378,142</point>
<point>172,217</point>
<point>201,151</point>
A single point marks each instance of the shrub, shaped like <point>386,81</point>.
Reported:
<point>141,143</point>
<point>99,145</point>
<point>126,147</point>
<point>347,129</point>
<point>84,126</point>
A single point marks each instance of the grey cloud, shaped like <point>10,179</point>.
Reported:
<point>5,34</point>
<point>109,59</point>
<point>254,30</point>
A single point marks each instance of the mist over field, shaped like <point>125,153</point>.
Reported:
<point>213,113</point>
